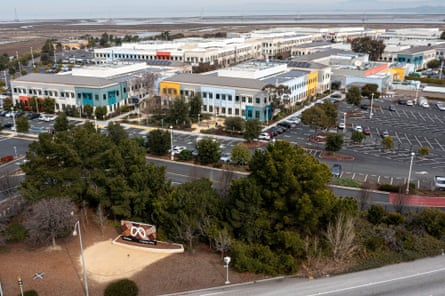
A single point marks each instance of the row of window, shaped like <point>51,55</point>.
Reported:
<point>228,111</point>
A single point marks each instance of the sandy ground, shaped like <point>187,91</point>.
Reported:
<point>155,274</point>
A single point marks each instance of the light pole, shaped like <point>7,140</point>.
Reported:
<point>409,173</point>
<point>372,102</point>
<point>85,282</point>
<point>20,283</point>
<point>13,121</point>
<point>15,151</point>
<point>198,118</point>
<point>227,261</point>
<point>171,143</point>
<point>344,121</point>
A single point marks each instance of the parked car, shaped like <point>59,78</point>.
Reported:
<point>280,129</point>
<point>7,125</point>
<point>285,124</point>
<point>341,125</point>
<point>294,120</point>
<point>440,106</point>
<point>425,105</point>
<point>264,136</point>
<point>367,131</point>
<point>3,112</point>
<point>225,157</point>
<point>392,108</point>
<point>409,103</point>
<point>272,131</point>
<point>402,102</point>
<point>177,149</point>
<point>364,106</point>
<point>384,134</point>
<point>32,115</point>
<point>10,114</point>
<point>439,182</point>
<point>358,128</point>
<point>47,117</point>
<point>336,170</point>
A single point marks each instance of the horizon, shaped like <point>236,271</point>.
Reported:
<point>23,10</point>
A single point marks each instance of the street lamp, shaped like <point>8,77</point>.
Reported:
<point>372,102</point>
<point>409,173</point>
<point>171,143</point>
<point>13,121</point>
<point>227,261</point>
<point>85,282</point>
<point>20,284</point>
<point>15,151</point>
<point>344,121</point>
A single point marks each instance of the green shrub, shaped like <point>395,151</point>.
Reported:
<point>376,214</point>
<point>261,259</point>
<point>185,155</point>
<point>30,293</point>
<point>124,287</point>
<point>395,219</point>
<point>430,220</point>
<point>16,232</point>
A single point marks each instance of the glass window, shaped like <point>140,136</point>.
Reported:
<point>257,114</point>
<point>229,97</point>
<point>204,94</point>
<point>223,110</point>
<point>243,99</point>
<point>217,96</point>
<point>96,97</point>
<point>229,111</point>
<point>257,100</point>
<point>250,100</point>
<point>223,96</point>
<point>210,95</point>
<point>236,111</point>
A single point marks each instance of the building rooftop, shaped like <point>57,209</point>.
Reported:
<point>65,79</point>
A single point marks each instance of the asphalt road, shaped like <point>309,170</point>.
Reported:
<point>420,277</point>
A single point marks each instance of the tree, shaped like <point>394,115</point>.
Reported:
<point>88,110</point>
<point>49,219</point>
<point>61,123</point>
<point>252,130</point>
<point>315,117</point>
<point>195,105</point>
<point>234,124</point>
<point>388,142</point>
<point>47,52</point>
<point>369,89</point>
<point>188,210</point>
<point>208,150</point>
<point>22,124</point>
<point>159,141</point>
<point>334,142</point>
<point>442,36</point>
<point>423,151</point>
<point>330,111</point>
<point>353,96</point>
<point>240,154</point>
<point>7,104</point>
<point>48,105</point>
<point>374,48</point>
<point>357,137</point>
<point>178,112</point>
<point>100,112</point>
<point>433,64</point>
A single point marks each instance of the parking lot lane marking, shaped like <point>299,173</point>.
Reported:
<point>392,179</point>
<point>440,145</point>
<point>366,178</point>
<point>353,176</point>
<point>439,119</point>
<point>397,137</point>
<point>428,142</point>
<point>407,138</point>
<point>418,141</point>
<point>378,180</point>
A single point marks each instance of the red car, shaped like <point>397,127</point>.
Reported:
<point>367,131</point>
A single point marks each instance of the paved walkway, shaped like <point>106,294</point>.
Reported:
<point>417,200</point>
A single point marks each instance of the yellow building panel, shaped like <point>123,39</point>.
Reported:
<point>312,83</point>
<point>397,73</point>
<point>170,89</point>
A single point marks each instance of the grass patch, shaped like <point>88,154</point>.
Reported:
<point>347,182</point>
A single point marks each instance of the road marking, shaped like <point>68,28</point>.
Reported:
<point>429,144</point>
<point>407,138</point>
<point>381,282</point>
<point>418,141</point>
<point>440,145</point>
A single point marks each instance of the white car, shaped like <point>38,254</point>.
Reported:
<point>225,157</point>
<point>425,105</point>
<point>341,125</point>
<point>264,136</point>
<point>439,182</point>
<point>47,117</point>
<point>440,106</point>
<point>294,120</point>
<point>177,149</point>
<point>358,128</point>
<point>410,103</point>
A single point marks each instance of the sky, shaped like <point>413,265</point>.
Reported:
<point>53,9</point>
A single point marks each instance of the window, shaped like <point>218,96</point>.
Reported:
<point>250,100</point>
<point>210,95</point>
<point>223,110</point>
<point>229,111</point>
<point>257,114</point>
<point>257,100</point>
<point>204,94</point>
<point>210,108</point>
<point>79,96</point>
<point>243,99</point>
<point>223,97</point>
<point>236,98</point>
<point>204,108</point>
<point>217,96</point>
<point>104,96</point>
<point>236,111</point>
<point>96,97</point>
<point>229,97</point>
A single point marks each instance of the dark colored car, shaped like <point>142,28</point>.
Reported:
<point>367,131</point>
<point>7,125</point>
<point>285,124</point>
<point>336,170</point>
<point>402,102</point>
<point>392,108</point>
<point>272,131</point>
<point>32,115</point>
<point>364,106</point>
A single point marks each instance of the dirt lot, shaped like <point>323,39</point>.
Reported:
<point>154,274</point>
